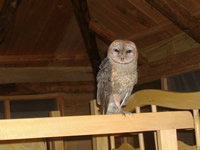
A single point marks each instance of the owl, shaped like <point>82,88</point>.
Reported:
<point>117,76</point>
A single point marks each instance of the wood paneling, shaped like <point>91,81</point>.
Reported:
<point>183,62</point>
<point>45,28</point>
<point>135,20</point>
<point>193,6</point>
<point>174,11</point>
<point>31,23</point>
<point>146,9</point>
<point>116,16</point>
<point>169,47</point>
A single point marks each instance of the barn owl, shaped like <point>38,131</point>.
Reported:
<point>117,76</point>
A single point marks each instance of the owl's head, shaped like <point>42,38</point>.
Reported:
<point>122,51</point>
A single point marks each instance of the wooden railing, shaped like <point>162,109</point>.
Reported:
<point>59,97</point>
<point>165,122</point>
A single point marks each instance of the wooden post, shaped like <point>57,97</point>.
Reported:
<point>197,127</point>
<point>140,135</point>
<point>7,114</point>
<point>164,85</point>
<point>167,139</point>
<point>60,103</point>
<point>56,144</point>
<point>98,142</point>
<point>154,109</point>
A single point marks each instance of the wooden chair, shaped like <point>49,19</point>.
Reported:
<point>155,98</point>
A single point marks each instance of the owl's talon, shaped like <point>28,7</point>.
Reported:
<point>125,112</point>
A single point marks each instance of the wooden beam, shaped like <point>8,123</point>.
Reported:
<point>46,96</point>
<point>40,61</point>
<point>108,36</point>
<point>92,125</point>
<point>178,15</point>
<point>179,63</point>
<point>50,87</point>
<point>45,74</point>
<point>7,113</point>
<point>82,15</point>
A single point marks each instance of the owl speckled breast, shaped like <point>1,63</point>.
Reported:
<point>123,77</point>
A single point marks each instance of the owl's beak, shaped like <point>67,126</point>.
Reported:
<point>122,58</point>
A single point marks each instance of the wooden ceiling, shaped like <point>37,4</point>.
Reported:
<point>68,34</point>
<point>44,31</point>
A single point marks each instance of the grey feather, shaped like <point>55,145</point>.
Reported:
<point>104,85</point>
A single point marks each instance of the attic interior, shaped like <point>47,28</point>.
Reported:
<point>57,47</point>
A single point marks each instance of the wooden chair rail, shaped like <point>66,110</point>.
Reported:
<point>187,101</point>
<point>15,129</point>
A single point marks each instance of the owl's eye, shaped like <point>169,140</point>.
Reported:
<point>116,50</point>
<point>128,51</point>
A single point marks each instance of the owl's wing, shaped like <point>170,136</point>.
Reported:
<point>125,95</point>
<point>104,85</point>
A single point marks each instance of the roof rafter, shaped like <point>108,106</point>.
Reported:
<point>83,17</point>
